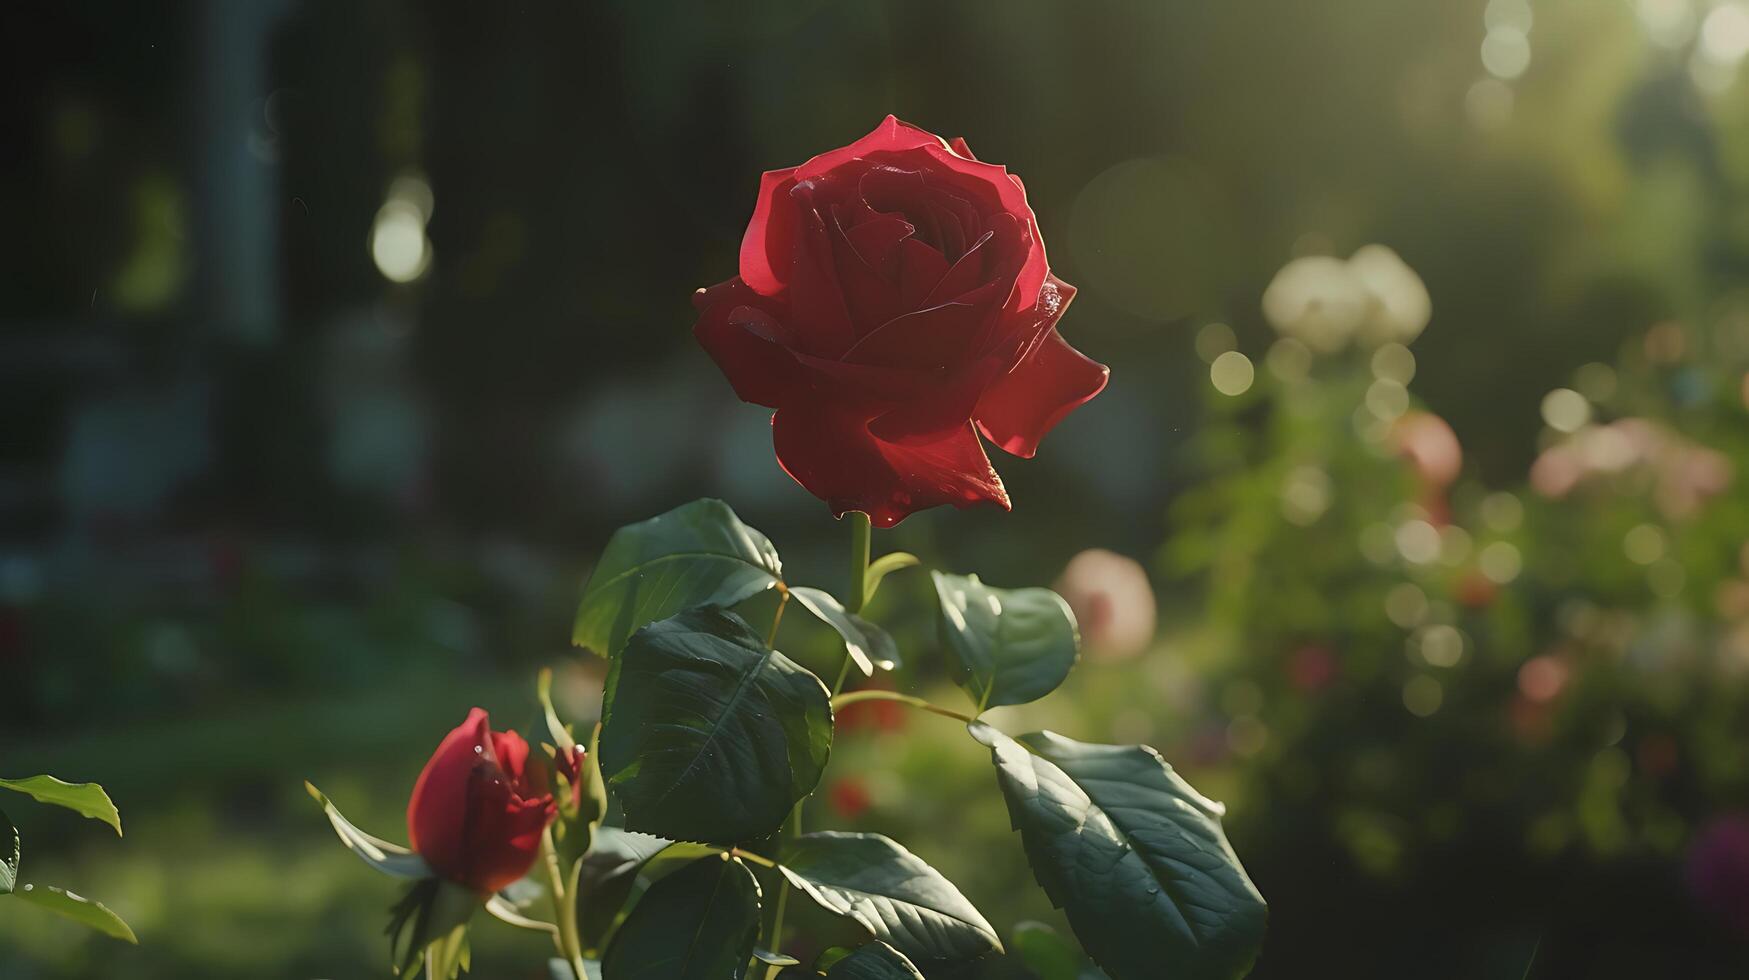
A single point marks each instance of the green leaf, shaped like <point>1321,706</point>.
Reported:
<point>1012,646</point>
<point>558,969</point>
<point>606,878</point>
<point>883,566</point>
<point>1134,856</point>
<point>1050,954</point>
<point>81,910</point>
<point>870,961</point>
<point>696,554</point>
<point>709,736</point>
<point>889,891</point>
<point>10,853</point>
<point>868,645</point>
<point>391,859</point>
<point>699,923</point>
<point>769,958</point>
<point>86,799</point>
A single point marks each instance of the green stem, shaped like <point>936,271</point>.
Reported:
<point>782,601</point>
<point>857,594</point>
<point>859,536</point>
<point>843,700</point>
<point>793,829</point>
<point>759,859</point>
<point>564,905</point>
<point>843,673</point>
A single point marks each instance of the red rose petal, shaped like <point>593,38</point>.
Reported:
<point>920,270</point>
<point>748,345</point>
<point>839,461</point>
<point>1023,405</point>
<point>939,411</point>
<point>769,243</point>
<point>930,339</point>
<point>818,313</point>
<point>892,135</point>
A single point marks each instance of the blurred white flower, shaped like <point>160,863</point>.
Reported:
<point>1113,603</point>
<point>1400,306</point>
<point>1318,300</point>
<point>1325,302</point>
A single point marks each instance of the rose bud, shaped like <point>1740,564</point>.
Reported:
<point>479,807</point>
<point>894,303</point>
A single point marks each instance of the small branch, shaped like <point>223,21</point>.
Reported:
<point>771,637</point>
<point>758,859</point>
<point>844,700</point>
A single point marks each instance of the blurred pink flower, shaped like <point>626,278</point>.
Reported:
<point>1112,601</point>
<point>1434,453</point>
<point>1431,447</point>
<point>1542,678</point>
<point>1685,474</point>
<point>1718,869</point>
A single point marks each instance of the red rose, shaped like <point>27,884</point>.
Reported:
<point>894,302</point>
<point>478,809</point>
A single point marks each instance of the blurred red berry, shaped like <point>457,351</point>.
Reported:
<point>849,797</point>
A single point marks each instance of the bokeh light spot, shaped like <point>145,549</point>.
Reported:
<point>1506,53</point>
<point>1500,562</point>
<point>1644,544</point>
<point>1214,340</point>
<point>397,242</point>
<point>1393,362</point>
<point>1565,410</point>
<point>1418,542</point>
<point>1422,695</point>
<point>1387,400</point>
<point>1232,373</point>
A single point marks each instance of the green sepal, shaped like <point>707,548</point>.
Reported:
<point>429,925</point>
<point>390,859</point>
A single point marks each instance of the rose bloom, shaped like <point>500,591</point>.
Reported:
<point>479,808</point>
<point>894,303</point>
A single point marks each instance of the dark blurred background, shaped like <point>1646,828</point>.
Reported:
<point>338,337</point>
